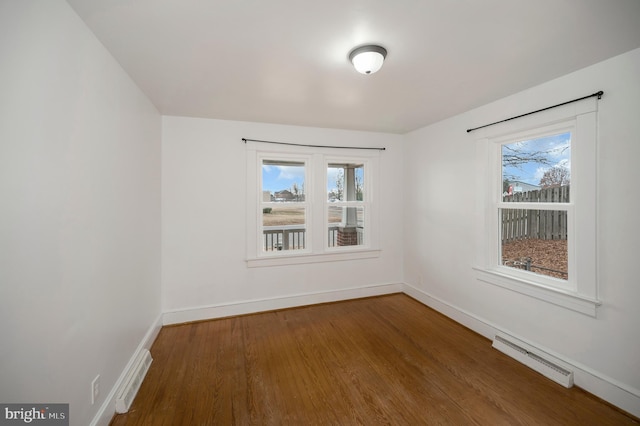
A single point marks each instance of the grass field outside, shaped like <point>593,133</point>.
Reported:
<point>287,215</point>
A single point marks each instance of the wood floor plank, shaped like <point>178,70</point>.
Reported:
<point>381,360</point>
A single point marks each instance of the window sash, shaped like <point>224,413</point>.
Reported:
<point>534,206</point>
<point>495,260</point>
<point>283,240</point>
<point>365,203</point>
<point>568,284</point>
<point>363,237</point>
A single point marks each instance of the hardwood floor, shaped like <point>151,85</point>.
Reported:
<point>381,360</point>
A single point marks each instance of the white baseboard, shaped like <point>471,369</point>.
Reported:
<point>262,305</point>
<point>108,408</point>
<point>619,394</point>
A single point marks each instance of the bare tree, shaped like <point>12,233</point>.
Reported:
<point>339,189</point>
<point>514,157</point>
<point>359,188</point>
<point>558,175</point>
<point>295,191</point>
<point>517,156</point>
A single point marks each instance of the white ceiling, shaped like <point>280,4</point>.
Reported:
<point>285,61</point>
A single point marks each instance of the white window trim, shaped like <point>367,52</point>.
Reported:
<point>579,293</point>
<point>316,199</point>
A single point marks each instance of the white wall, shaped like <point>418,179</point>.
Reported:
<point>80,228</point>
<point>80,215</point>
<point>439,210</point>
<point>203,222</point>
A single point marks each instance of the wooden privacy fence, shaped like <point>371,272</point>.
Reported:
<point>542,224</point>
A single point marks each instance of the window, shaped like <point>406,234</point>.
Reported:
<point>283,205</point>
<point>346,204</point>
<point>534,205</point>
<point>310,205</point>
<point>536,230</point>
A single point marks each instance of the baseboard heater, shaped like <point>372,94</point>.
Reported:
<point>132,383</point>
<point>537,362</point>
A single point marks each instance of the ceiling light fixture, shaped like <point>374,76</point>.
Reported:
<point>368,59</point>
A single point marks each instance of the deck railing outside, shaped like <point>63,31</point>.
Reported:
<point>293,237</point>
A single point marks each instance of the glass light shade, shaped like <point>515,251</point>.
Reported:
<point>368,59</point>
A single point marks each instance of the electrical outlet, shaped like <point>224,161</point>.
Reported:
<point>95,389</point>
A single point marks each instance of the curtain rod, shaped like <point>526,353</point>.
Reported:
<point>598,94</point>
<point>245,140</point>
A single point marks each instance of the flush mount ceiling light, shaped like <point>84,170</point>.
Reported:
<point>368,59</point>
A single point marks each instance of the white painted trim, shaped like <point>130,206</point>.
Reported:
<point>611,390</point>
<point>567,299</point>
<point>298,259</point>
<point>261,305</point>
<point>108,408</point>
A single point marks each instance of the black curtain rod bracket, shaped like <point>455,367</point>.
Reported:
<point>245,140</point>
<point>598,94</point>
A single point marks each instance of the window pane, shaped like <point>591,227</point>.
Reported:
<point>284,228</point>
<point>346,226</point>
<point>535,241</point>
<point>537,170</point>
<point>345,182</point>
<point>283,181</point>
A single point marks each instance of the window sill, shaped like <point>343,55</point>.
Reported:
<point>298,259</point>
<point>567,299</point>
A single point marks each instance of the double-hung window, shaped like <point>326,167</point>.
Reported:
<point>310,205</point>
<point>534,208</point>
<point>347,204</point>
<point>284,211</point>
<point>536,231</point>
